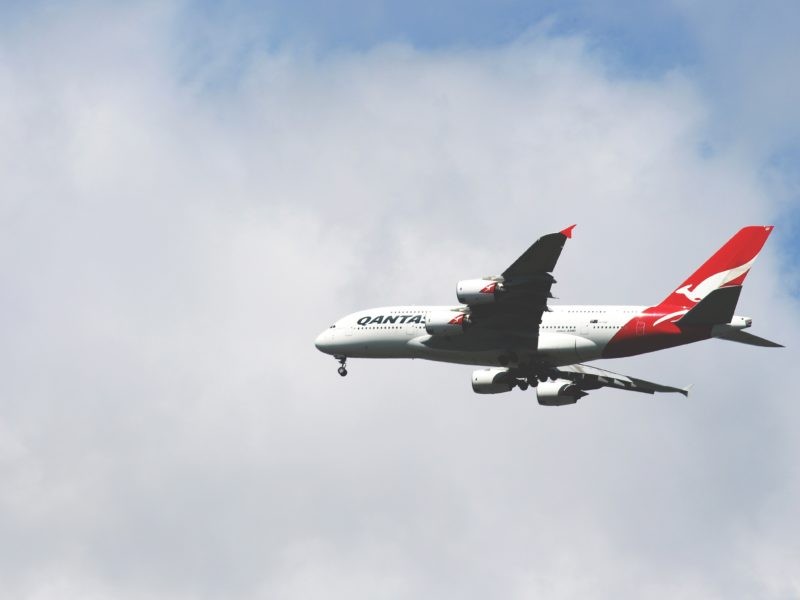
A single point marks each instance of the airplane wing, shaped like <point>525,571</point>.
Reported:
<point>540,258</point>
<point>525,287</point>
<point>592,378</point>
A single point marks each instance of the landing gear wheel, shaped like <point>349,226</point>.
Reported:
<point>342,370</point>
<point>523,385</point>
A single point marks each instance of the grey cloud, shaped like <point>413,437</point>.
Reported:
<point>745,56</point>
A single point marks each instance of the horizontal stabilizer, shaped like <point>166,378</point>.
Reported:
<point>737,335</point>
<point>716,308</point>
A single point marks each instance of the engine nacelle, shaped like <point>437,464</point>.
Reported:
<point>492,381</point>
<point>558,393</point>
<point>478,291</point>
<point>446,322</point>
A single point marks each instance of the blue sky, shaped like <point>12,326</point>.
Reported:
<point>739,55</point>
<point>650,37</point>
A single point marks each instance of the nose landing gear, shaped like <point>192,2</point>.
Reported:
<point>342,370</point>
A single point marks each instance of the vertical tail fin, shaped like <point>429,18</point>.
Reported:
<point>727,267</point>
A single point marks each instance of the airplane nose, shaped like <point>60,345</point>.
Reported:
<point>324,342</point>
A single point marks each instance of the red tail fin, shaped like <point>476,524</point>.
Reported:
<point>728,267</point>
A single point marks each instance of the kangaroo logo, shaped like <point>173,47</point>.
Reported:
<point>692,296</point>
<point>695,293</point>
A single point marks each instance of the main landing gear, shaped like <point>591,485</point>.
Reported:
<point>342,370</point>
<point>533,377</point>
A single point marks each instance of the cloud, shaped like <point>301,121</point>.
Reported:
<point>744,62</point>
<point>170,249</point>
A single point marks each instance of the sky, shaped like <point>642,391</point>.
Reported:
<point>190,192</point>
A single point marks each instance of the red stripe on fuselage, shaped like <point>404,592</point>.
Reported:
<point>643,333</point>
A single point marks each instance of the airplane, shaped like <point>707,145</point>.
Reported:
<point>505,324</point>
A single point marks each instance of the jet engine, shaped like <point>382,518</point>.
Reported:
<point>446,322</point>
<point>558,393</point>
<point>492,381</point>
<point>478,291</point>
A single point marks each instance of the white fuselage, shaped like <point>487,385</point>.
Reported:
<point>567,334</point>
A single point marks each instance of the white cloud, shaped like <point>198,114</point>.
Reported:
<point>169,253</point>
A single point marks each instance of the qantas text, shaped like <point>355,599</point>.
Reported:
<point>380,319</point>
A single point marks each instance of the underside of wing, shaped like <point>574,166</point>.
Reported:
<point>560,386</point>
<point>541,257</point>
<point>592,378</point>
<point>516,299</point>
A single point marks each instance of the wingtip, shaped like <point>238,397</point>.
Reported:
<point>685,391</point>
<point>568,231</point>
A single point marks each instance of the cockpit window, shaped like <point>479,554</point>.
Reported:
<point>332,326</point>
